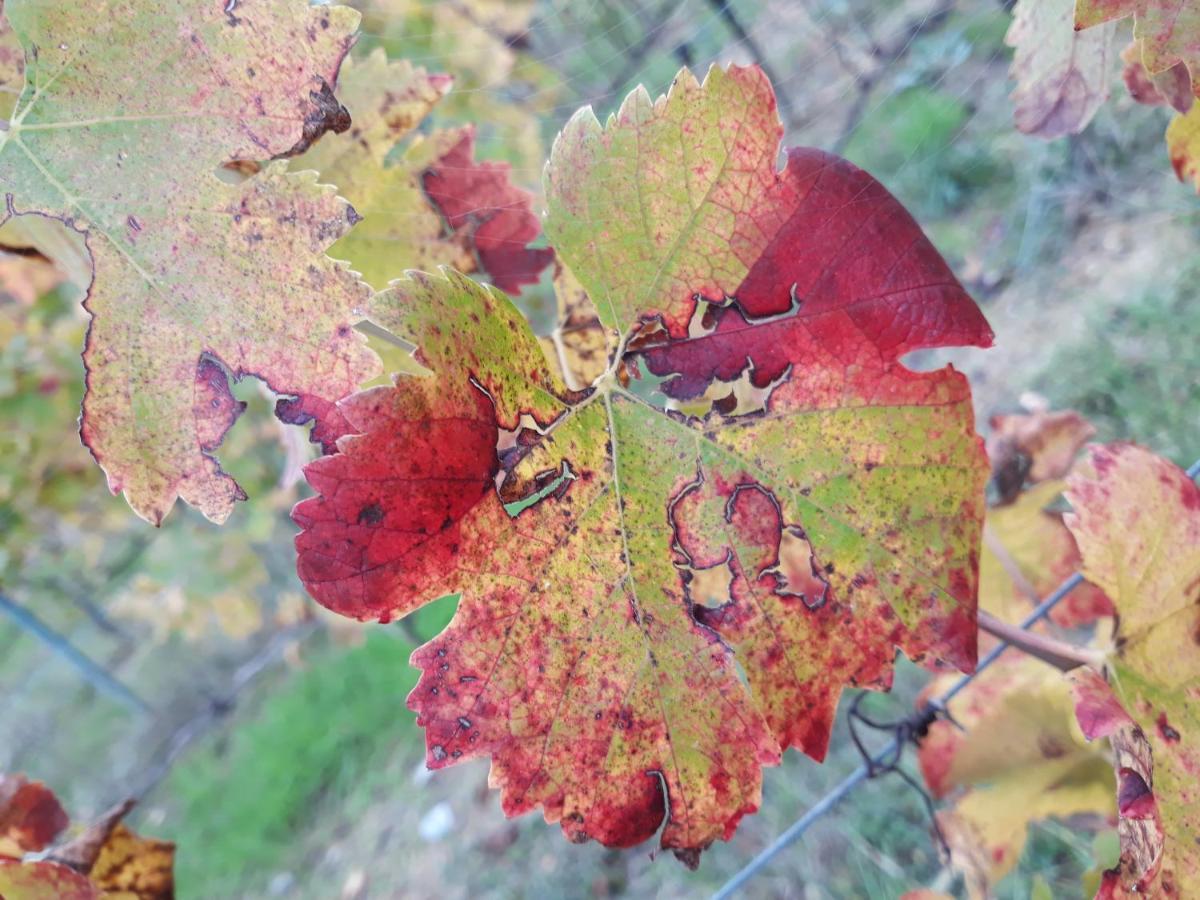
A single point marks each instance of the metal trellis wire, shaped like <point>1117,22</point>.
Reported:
<point>861,774</point>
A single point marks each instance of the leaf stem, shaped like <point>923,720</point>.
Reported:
<point>1058,653</point>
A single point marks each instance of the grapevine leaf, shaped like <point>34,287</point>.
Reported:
<point>1170,88</point>
<point>492,216</point>
<point>43,881</point>
<point>30,816</point>
<point>1027,553</point>
<point>1183,145</point>
<point>1016,749</point>
<point>1167,30</point>
<point>1139,871</point>
<point>1137,522</point>
<point>428,203</point>
<point>1062,75</point>
<point>845,512</point>
<point>106,860</point>
<point>1034,447</point>
<point>122,125</point>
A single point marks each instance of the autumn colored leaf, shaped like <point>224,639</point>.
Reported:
<point>577,659</point>
<point>1062,76</point>
<point>1139,871</point>
<point>1183,145</point>
<point>1018,758</point>
<point>105,861</point>
<point>492,216</point>
<point>428,203</point>
<point>579,344</point>
<point>1027,553</point>
<point>1137,522</point>
<point>1170,88</point>
<point>186,264</point>
<point>30,816</point>
<point>1168,31</point>
<point>1034,447</point>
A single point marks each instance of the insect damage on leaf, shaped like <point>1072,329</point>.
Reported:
<point>842,514</point>
<point>124,120</point>
<point>1137,522</point>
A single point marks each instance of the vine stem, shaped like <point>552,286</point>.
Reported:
<point>1058,653</point>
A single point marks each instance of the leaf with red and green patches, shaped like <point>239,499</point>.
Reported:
<point>121,129</point>
<point>842,514</point>
<point>1012,756</point>
<point>105,860</point>
<point>1062,76</point>
<point>1168,31</point>
<point>30,816</point>
<point>425,202</point>
<point>1137,522</point>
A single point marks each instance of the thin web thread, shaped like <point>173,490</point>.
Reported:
<point>796,830</point>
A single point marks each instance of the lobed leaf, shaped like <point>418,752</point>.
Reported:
<point>1062,75</point>
<point>427,202</point>
<point>844,512</point>
<point>124,120</point>
<point>1013,756</point>
<point>1137,522</point>
<point>1167,30</point>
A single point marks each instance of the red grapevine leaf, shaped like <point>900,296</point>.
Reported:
<point>839,521</point>
<point>30,816</point>
<point>478,200</point>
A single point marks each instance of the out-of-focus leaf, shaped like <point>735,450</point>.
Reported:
<point>1020,757</point>
<point>1062,75</point>
<point>1168,31</point>
<point>1027,553</point>
<point>1183,145</point>
<point>186,263</point>
<point>30,816</point>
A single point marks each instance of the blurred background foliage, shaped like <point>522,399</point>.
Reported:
<point>185,665</point>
